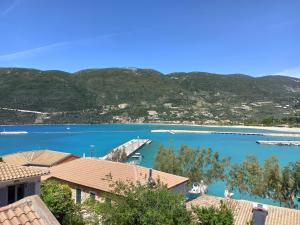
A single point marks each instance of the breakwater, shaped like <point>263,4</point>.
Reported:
<point>228,132</point>
<point>280,143</point>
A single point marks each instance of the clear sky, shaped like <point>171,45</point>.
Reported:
<point>254,37</point>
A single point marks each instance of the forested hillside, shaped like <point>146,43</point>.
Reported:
<point>144,95</point>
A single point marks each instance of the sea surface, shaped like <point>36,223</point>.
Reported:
<point>81,139</point>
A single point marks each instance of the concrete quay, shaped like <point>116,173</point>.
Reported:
<point>130,147</point>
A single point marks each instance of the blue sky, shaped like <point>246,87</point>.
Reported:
<point>254,37</point>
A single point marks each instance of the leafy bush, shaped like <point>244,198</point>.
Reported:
<point>141,205</point>
<point>58,198</point>
<point>213,216</point>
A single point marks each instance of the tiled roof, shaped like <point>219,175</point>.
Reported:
<point>36,158</point>
<point>12,172</point>
<point>101,174</point>
<point>27,211</point>
<point>242,211</point>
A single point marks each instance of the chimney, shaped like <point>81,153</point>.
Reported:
<point>150,174</point>
<point>151,181</point>
<point>260,213</point>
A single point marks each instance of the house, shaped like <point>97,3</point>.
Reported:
<point>245,211</point>
<point>152,114</point>
<point>17,182</point>
<point>40,158</point>
<point>93,177</point>
<point>27,211</point>
<point>123,106</point>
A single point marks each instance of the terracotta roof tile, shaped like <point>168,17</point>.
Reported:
<point>242,211</point>
<point>36,158</point>
<point>28,211</point>
<point>101,174</point>
<point>13,172</point>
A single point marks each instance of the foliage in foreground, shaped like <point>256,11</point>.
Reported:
<point>142,204</point>
<point>146,204</point>
<point>196,164</point>
<point>58,198</point>
<point>269,180</point>
<point>213,216</point>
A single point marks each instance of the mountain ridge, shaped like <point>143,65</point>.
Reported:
<point>144,95</point>
<point>137,68</point>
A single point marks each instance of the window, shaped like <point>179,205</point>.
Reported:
<point>20,191</point>
<point>30,189</point>
<point>92,195</point>
<point>78,195</point>
<point>11,194</point>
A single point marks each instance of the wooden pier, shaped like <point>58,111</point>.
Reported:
<point>280,143</point>
<point>126,149</point>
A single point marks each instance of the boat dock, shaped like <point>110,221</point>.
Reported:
<point>129,148</point>
<point>280,143</point>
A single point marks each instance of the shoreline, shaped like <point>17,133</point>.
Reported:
<point>13,132</point>
<point>271,128</point>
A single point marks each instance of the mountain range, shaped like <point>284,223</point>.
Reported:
<point>144,95</point>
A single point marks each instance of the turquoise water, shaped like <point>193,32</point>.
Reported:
<point>104,137</point>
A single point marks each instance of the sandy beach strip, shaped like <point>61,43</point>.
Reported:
<point>13,132</point>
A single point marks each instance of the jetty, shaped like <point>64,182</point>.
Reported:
<point>292,135</point>
<point>127,149</point>
<point>13,132</point>
<point>280,143</point>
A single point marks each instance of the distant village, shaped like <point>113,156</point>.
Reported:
<point>202,113</point>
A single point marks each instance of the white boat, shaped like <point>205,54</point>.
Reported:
<point>199,188</point>
<point>227,193</point>
<point>137,156</point>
